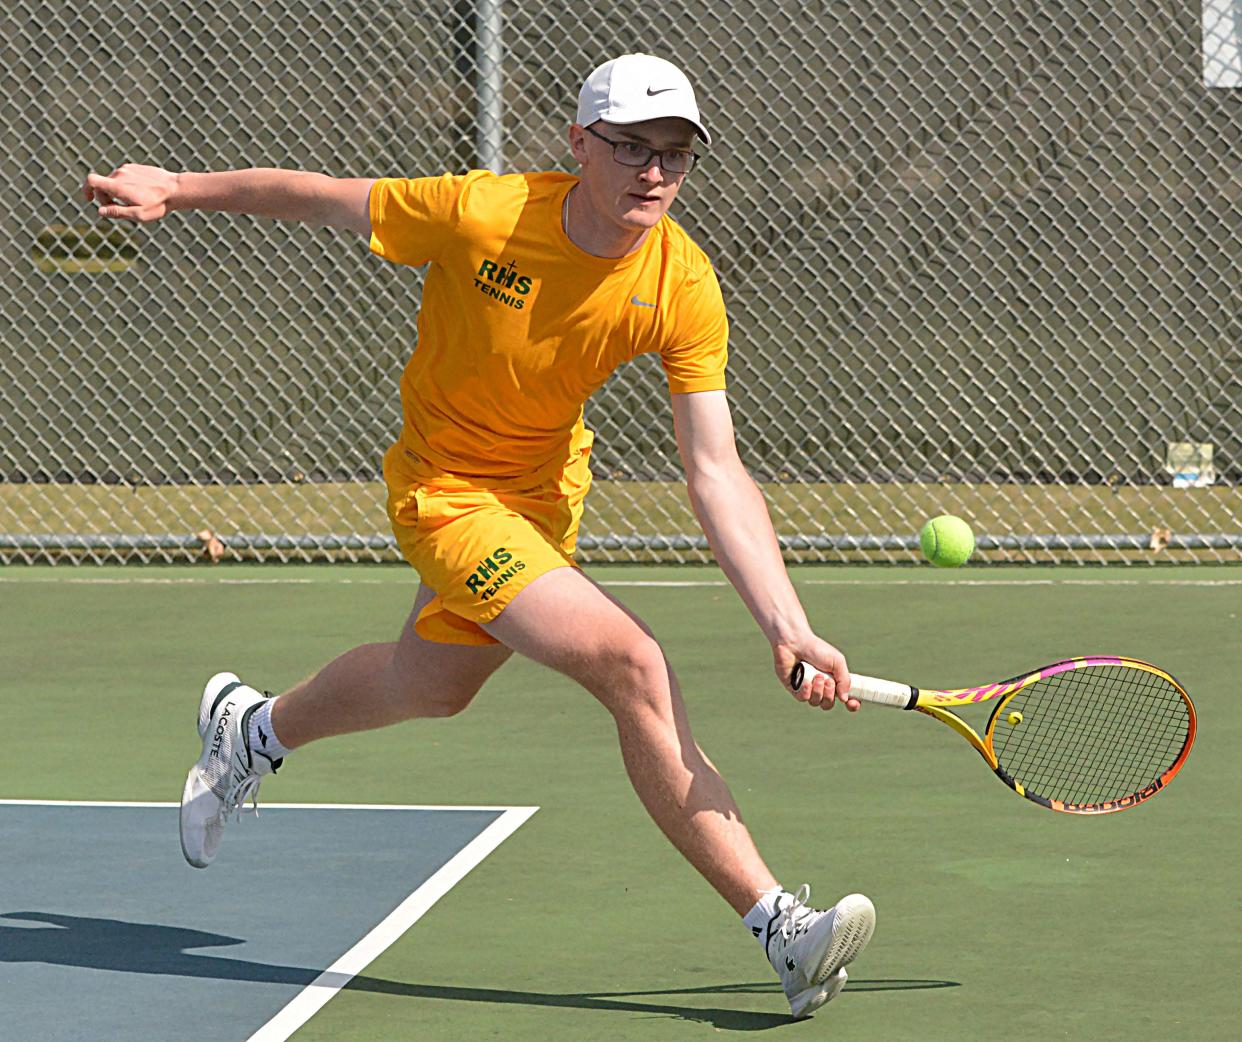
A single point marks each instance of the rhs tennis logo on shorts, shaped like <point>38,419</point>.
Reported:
<point>489,577</point>
<point>507,285</point>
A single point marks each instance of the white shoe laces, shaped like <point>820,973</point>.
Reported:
<point>795,911</point>
<point>249,789</point>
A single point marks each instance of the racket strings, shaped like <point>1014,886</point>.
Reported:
<point>1100,746</point>
<point>1090,743</point>
<point>1094,734</point>
<point>1085,768</point>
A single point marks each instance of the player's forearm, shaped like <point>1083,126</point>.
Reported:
<point>734,517</point>
<point>283,195</point>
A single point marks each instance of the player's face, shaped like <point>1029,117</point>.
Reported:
<point>631,198</point>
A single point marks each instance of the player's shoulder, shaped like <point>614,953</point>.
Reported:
<point>482,186</point>
<point>517,188</point>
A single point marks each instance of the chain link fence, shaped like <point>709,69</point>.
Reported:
<point>980,258</point>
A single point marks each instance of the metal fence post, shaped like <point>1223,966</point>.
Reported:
<point>489,83</point>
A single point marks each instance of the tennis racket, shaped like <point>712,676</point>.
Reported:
<point>1084,736</point>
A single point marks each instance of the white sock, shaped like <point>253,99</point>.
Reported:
<point>763,915</point>
<point>262,738</point>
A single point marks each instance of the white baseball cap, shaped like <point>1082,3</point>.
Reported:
<point>638,87</point>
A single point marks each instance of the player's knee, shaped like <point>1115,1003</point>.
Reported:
<point>634,678</point>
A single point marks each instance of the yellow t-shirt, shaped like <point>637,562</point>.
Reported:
<point>518,326</point>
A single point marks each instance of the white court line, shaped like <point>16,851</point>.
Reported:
<point>186,581</point>
<point>267,806</point>
<point>315,995</point>
<point>1019,582</point>
<point>670,583</point>
<point>952,582</point>
<point>318,992</point>
<point>660,582</point>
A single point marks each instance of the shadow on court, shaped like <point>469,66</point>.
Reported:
<point>149,948</point>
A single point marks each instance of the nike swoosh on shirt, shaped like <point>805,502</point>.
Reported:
<point>663,90</point>
<point>641,303</point>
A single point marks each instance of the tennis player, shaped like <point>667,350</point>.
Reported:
<point>539,285</point>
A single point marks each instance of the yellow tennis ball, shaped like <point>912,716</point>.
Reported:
<point>947,541</point>
<point>1014,718</point>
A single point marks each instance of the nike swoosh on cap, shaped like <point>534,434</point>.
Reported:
<point>641,303</point>
<point>663,90</point>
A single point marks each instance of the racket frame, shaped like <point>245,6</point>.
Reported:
<point>939,704</point>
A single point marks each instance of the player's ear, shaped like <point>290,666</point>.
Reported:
<point>577,143</point>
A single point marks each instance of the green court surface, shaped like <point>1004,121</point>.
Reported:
<point>997,919</point>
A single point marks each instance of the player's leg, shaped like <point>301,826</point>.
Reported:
<point>565,621</point>
<point>246,734</point>
<point>380,684</point>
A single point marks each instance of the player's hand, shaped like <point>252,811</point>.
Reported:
<point>131,192</point>
<point>823,691</point>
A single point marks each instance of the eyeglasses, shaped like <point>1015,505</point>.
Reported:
<point>636,154</point>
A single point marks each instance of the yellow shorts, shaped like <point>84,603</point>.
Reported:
<point>477,547</point>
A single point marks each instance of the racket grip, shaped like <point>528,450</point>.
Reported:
<point>865,689</point>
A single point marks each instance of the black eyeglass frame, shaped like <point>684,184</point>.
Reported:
<point>652,153</point>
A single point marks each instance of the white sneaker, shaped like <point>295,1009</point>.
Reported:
<point>227,773</point>
<point>810,949</point>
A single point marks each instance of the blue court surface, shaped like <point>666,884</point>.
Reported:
<point>106,933</point>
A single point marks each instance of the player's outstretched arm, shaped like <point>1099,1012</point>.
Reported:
<point>735,520</point>
<point>134,192</point>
